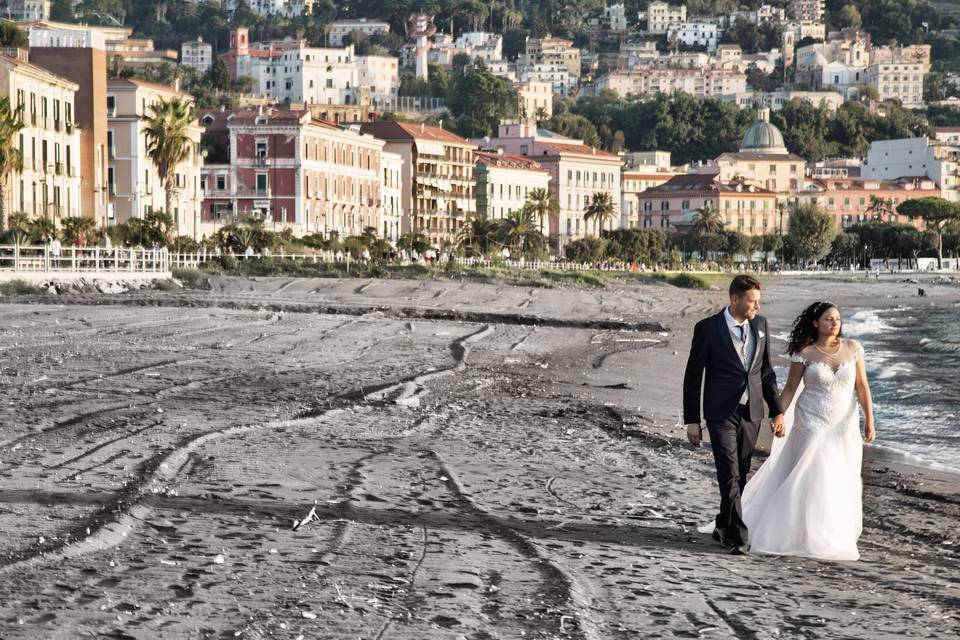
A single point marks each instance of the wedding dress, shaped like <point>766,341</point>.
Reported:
<point>806,499</point>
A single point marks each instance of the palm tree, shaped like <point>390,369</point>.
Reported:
<point>519,230</point>
<point>168,142</point>
<point>19,221</point>
<point>478,232</point>
<point>543,206</point>
<point>599,208</point>
<point>11,160</point>
<point>77,227</point>
<point>708,220</point>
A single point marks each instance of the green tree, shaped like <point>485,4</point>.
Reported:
<point>11,159</point>
<point>477,233</point>
<point>844,248</point>
<point>936,214</point>
<point>880,209</point>
<point>519,230</point>
<point>772,243</point>
<point>479,100</point>
<point>811,233</point>
<point>413,241</point>
<point>543,206</point>
<point>12,36</point>
<point>218,76</point>
<point>75,228</point>
<point>600,209</point>
<point>167,125</point>
<point>708,220</point>
<point>589,249</point>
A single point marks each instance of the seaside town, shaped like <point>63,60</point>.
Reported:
<point>485,129</point>
<point>479,320</point>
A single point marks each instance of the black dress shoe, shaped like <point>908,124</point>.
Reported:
<point>739,550</point>
<point>717,535</point>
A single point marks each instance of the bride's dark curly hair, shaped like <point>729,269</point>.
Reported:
<point>804,333</point>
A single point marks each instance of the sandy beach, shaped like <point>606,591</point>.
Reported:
<point>332,458</point>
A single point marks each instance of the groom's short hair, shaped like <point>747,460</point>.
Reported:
<point>741,284</point>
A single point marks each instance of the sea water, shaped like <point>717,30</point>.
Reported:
<point>913,365</point>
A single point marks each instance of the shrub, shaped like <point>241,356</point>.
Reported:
<point>192,278</point>
<point>19,288</point>
<point>688,281</point>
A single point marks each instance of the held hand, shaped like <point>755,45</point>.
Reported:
<point>869,432</point>
<point>776,426</point>
<point>694,434</point>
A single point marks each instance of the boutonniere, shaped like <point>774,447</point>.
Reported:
<point>761,333</point>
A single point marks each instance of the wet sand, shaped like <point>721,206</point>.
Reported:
<point>283,458</point>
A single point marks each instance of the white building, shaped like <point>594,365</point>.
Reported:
<point>342,28</point>
<point>913,158</point>
<point>694,34</point>
<point>504,181</point>
<point>775,100</point>
<point>380,74</point>
<point>474,44</point>
<point>535,100</point>
<point>29,10</point>
<point>763,13</point>
<point>197,54</point>
<point>661,16</point>
<point>285,8</point>
<point>315,75</point>
<point>652,80</point>
<point>48,185</point>
<point>391,197</point>
<point>558,76</point>
<point>615,17</point>
<point>807,9</point>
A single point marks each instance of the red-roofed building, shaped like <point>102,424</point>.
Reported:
<point>504,181</point>
<point>577,172</point>
<point>292,171</point>
<point>745,207</point>
<point>438,185</point>
<point>851,200</point>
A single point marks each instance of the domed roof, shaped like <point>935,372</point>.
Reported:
<point>763,137</point>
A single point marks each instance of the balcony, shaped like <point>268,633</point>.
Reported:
<point>261,161</point>
<point>245,192</point>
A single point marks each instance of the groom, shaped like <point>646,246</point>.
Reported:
<point>732,347</point>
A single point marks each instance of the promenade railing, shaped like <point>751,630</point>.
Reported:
<point>38,259</point>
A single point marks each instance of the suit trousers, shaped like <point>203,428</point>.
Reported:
<point>733,441</point>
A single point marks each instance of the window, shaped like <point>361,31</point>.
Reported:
<point>221,182</point>
<point>261,183</point>
<point>110,149</point>
<point>773,169</point>
<point>203,183</point>
<point>110,181</point>
<point>111,106</point>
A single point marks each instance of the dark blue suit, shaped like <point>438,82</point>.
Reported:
<point>733,428</point>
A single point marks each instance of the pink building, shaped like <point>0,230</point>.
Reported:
<point>577,172</point>
<point>851,200</point>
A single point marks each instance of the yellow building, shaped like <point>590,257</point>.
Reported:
<point>763,160</point>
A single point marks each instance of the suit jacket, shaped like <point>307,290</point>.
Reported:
<point>712,351</point>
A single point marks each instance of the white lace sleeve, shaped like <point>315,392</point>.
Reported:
<point>796,357</point>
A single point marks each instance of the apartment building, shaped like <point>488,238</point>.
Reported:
<point>504,181</point>
<point>197,54</point>
<point>561,81</point>
<point>76,52</point>
<point>694,34</point>
<point>897,73</point>
<point>291,171</point>
<point>137,53</point>
<point>851,200</point>
<point>811,10</point>
<point>577,172</point>
<point>745,208</point>
<point>438,183</point>
<point>49,143</point>
<point>642,170</point>
<point>134,185</point>
<point>392,217</point>
<point>340,29</point>
<point>702,83</point>
<point>553,52</point>
<point>285,8</point>
<point>290,71</point>
<point>916,157</point>
<point>534,100</point>
<point>29,10</point>
<point>661,16</point>
<point>475,44</point>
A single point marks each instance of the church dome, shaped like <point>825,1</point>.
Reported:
<point>763,137</point>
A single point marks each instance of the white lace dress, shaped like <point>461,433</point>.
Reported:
<point>806,499</point>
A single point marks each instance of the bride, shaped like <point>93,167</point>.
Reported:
<point>806,499</point>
